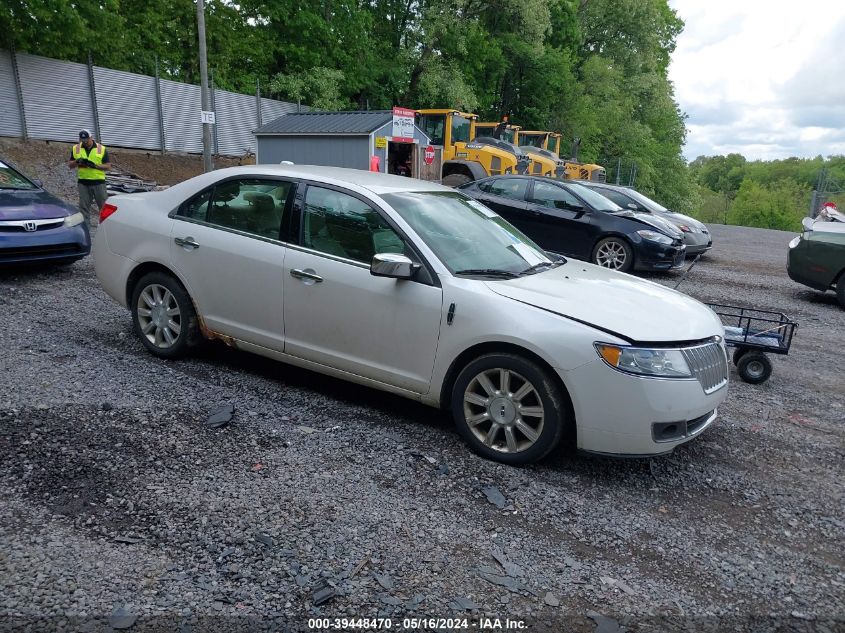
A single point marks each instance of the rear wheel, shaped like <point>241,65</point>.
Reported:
<point>164,316</point>
<point>508,409</point>
<point>754,367</point>
<point>456,180</point>
<point>613,253</point>
<point>840,290</point>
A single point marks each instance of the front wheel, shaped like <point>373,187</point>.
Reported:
<point>456,180</point>
<point>613,253</point>
<point>754,367</point>
<point>164,316</point>
<point>508,409</point>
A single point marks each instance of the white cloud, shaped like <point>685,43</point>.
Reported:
<point>761,77</point>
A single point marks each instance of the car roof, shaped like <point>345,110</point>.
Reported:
<point>603,185</point>
<point>376,182</point>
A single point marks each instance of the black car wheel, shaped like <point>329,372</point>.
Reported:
<point>508,409</point>
<point>840,290</point>
<point>613,253</point>
<point>164,316</point>
<point>456,180</point>
<point>754,367</point>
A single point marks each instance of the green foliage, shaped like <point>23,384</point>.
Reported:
<point>772,194</point>
<point>780,205</point>
<point>593,69</point>
<point>319,86</point>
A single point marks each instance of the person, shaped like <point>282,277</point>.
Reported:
<point>499,131</point>
<point>92,161</point>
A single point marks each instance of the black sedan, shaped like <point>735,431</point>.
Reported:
<point>35,226</point>
<point>567,218</point>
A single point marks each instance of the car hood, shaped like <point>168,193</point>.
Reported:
<point>674,216</point>
<point>664,226</point>
<point>617,303</point>
<point>32,204</point>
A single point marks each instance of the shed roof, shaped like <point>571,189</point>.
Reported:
<point>350,122</point>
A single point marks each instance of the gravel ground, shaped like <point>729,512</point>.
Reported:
<point>121,509</point>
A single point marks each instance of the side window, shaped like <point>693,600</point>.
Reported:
<point>339,224</point>
<point>250,205</point>
<point>552,196</point>
<point>487,185</point>
<point>460,129</point>
<point>196,208</point>
<point>619,198</point>
<point>513,188</point>
<point>433,126</point>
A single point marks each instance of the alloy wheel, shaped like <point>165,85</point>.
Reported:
<point>159,316</point>
<point>612,254</point>
<point>503,410</point>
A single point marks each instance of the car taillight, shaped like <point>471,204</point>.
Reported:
<point>106,211</point>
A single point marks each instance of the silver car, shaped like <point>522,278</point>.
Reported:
<point>696,236</point>
<point>416,289</point>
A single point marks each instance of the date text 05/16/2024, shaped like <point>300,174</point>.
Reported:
<point>493,625</point>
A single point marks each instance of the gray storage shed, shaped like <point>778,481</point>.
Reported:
<point>342,139</point>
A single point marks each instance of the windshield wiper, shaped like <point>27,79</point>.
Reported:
<point>489,272</point>
<point>541,266</point>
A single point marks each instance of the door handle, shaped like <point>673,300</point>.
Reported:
<point>305,274</point>
<point>186,241</point>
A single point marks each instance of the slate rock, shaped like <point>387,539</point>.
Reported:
<point>220,416</point>
<point>323,594</point>
<point>463,604</point>
<point>494,496</point>
<point>121,618</point>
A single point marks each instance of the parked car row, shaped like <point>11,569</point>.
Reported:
<point>568,218</point>
<point>418,289</point>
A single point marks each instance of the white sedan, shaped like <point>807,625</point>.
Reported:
<point>416,289</point>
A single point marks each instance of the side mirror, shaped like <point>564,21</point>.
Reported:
<point>807,223</point>
<point>572,206</point>
<point>633,206</point>
<point>392,265</point>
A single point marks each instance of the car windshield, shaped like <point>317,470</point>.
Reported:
<point>595,200</point>
<point>648,203</point>
<point>465,235</point>
<point>10,179</point>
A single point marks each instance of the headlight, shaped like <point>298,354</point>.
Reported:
<point>73,220</point>
<point>663,363</point>
<point>794,241</point>
<point>685,228</point>
<point>654,236</point>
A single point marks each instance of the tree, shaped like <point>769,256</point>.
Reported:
<point>318,86</point>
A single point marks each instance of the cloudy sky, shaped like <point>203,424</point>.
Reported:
<point>764,78</point>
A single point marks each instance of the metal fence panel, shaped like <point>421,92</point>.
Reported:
<point>57,104</point>
<point>182,123</point>
<point>272,109</point>
<point>128,110</point>
<point>236,119</point>
<point>56,97</point>
<point>10,119</point>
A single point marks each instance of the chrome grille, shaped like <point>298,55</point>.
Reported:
<point>709,364</point>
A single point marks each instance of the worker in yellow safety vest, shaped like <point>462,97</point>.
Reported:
<point>92,160</point>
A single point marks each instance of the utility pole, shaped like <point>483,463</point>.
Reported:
<point>207,163</point>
